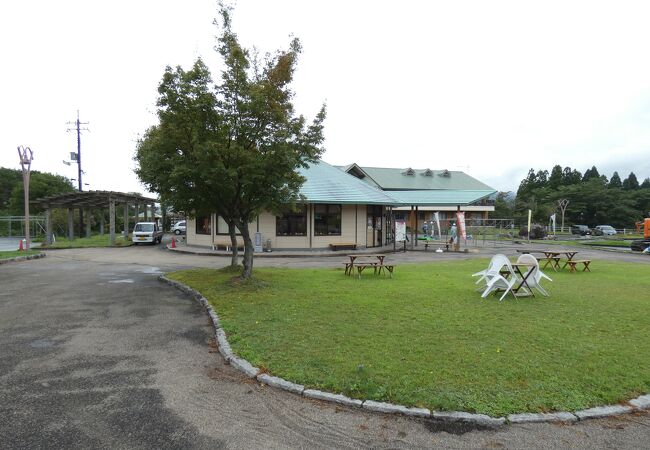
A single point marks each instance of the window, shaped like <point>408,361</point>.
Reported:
<point>327,220</point>
<point>145,227</point>
<point>292,223</point>
<point>203,225</point>
<point>222,227</point>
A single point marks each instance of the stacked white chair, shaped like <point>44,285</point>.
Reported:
<point>496,263</point>
<point>534,278</point>
<point>493,278</point>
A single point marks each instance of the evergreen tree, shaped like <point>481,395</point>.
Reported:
<point>591,173</point>
<point>615,181</point>
<point>630,182</point>
<point>555,180</point>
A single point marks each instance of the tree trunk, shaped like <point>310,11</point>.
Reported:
<point>248,251</point>
<point>232,231</point>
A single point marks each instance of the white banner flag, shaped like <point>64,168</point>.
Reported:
<point>553,222</point>
<point>437,216</point>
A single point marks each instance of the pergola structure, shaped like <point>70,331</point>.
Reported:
<point>92,200</point>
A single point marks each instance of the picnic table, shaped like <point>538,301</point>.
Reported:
<point>553,258</point>
<point>523,284</point>
<point>362,262</point>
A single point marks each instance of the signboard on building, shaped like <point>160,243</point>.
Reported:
<point>400,230</point>
<point>257,243</point>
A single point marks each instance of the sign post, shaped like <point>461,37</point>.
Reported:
<point>26,157</point>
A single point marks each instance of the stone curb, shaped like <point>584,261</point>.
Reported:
<point>460,416</point>
<point>22,258</point>
<point>336,398</point>
<point>244,366</point>
<point>281,383</point>
<point>641,402</point>
<point>603,411</point>
<point>389,408</point>
<point>544,417</point>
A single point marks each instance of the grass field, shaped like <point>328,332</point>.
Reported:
<point>93,241</point>
<point>14,254</point>
<point>426,338</point>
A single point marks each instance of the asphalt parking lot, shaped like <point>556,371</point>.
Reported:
<point>96,352</point>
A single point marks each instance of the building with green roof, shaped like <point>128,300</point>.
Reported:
<point>353,205</point>
<point>419,193</point>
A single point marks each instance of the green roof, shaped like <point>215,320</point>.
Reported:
<point>439,197</point>
<point>327,184</point>
<point>420,179</point>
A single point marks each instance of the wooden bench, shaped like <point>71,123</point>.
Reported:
<point>377,268</point>
<point>572,264</point>
<point>436,243</point>
<point>343,246</point>
<point>554,261</point>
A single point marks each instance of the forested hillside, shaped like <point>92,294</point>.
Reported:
<point>593,199</point>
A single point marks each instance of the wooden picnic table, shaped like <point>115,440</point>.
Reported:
<point>368,259</point>
<point>553,257</point>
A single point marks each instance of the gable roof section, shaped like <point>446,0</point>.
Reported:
<point>327,184</point>
<point>440,197</point>
<point>390,179</point>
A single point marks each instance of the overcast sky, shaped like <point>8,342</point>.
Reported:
<point>488,87</point>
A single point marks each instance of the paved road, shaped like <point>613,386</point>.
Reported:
<point>12,243</point>
<point>96,353</point>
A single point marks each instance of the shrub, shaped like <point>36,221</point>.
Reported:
<point>536,232</point>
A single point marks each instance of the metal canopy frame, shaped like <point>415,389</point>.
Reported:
<point>92,200</point>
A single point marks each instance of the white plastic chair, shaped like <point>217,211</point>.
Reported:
<point>496,281</point>
<point>534,278</point>
<point>494,267</point>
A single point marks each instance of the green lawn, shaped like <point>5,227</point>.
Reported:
<point>426,338</point>
<point>93,241</point>
<point>14,254</point>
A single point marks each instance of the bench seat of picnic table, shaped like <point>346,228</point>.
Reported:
<point>573,262</point>
<point>377,267</point>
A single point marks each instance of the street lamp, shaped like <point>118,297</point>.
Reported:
<point>26,157</point>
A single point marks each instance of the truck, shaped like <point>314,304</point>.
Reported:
<point>147,232</point>
<point>641,244</point>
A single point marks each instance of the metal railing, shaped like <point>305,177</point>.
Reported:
<point>14,226</point>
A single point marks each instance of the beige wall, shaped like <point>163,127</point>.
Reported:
<point>353,230</point>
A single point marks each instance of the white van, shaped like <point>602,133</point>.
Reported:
<point>147,232</point>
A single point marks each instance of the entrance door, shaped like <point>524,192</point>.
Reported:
<point>374,229</point>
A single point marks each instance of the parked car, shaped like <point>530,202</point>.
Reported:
<point>582,230</point>
<point>147,232</point>
<point>180,227</point>
<point>604,230</point>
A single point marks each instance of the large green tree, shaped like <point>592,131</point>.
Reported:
<point>41,184</point>
<point>233,148</point>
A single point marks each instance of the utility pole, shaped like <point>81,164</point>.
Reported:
<point>26,156</point>
<point>77,157</point>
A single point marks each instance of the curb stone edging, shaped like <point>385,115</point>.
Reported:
<point>639,403</point>
<point>603,411</point>
<point>542,417</point>
<point>22,258</point>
